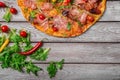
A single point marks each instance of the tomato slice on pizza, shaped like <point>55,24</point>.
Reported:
<point>62,18</point>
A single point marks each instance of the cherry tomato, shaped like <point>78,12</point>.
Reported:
<point>23,33</point>
<point>2,4</point>
<point>13,10</point>
<point>55,29</point>
<point>4,28</point>
<point>90,18</point>
<point>98,11</point>
<point>66,2</point>
<point>41,16</point>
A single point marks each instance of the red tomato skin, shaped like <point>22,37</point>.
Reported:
<point>13,10</point>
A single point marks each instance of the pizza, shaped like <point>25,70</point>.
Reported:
<point>62,18</point>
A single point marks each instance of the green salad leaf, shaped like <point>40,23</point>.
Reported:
<point>54,67</point>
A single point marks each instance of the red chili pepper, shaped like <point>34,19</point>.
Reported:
<point>39,44</point>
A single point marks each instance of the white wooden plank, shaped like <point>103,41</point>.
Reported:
<point>83,52</point>
<point>69,72</point>
<point>100,32</point>
<point>111,14</point>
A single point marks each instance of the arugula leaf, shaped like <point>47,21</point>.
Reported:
<point>14,37</point>
<point>80,24</point>
<point>7,16</point>
<point>27,47</point>
<point>2,39</point>
<point>69,26</point>
<point>17,62</point>
<point>60,64</point>
<point>54,67</point>
<point>30,67</point>
<point>32,14</point>
<point>40,54</point>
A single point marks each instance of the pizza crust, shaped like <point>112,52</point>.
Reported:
<point>75,30</point>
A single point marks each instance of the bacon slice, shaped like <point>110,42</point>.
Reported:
<point>30,4</point>
<point>83,18</point>
<point>60,22</point>
<point>46,6</point>
<point>80,1</point>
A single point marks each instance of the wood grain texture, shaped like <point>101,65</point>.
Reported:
<point>100,32</point>
<point>111,14</point>
<point>86,58</point>
<point>83,52</point>
<point>70,72</point>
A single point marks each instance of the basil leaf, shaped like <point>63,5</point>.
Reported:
<point>69,26</point>
<point>32,14</point>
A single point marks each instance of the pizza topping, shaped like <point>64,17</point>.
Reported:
<point>92,1</point>
<point>60,22</point>
<point>53,13</point>
<point>75,12</point>
<point>66,2</point>
<point>80,1</point>
<point>41,16</point>
<point>83,18</point>
<point>65,12</point>
<point>90,18</point>
<point>38,20</point>
<point>55,29</point>
<point>30,4</point>
<point>46,6</point>
<point>45,25</point>
<point>69,26</point>
<point>95,11</point>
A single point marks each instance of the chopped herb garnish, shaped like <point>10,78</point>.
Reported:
<point>69,26</point>
<point>80,24</point>
<point>32,14</point>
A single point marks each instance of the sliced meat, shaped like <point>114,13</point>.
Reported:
<point>83,18</point>
<point>46,6</point>
<point>30,4</point>
<point>80,1</point>
<point>74,13</point>
<point>88,6</point>
<point>92,1</point>
<point>60,22</point>
<point>45,25</point>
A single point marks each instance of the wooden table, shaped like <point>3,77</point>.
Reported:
<point>95,55</point>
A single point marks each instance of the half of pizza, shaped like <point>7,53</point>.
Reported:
<point>62,18</point>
